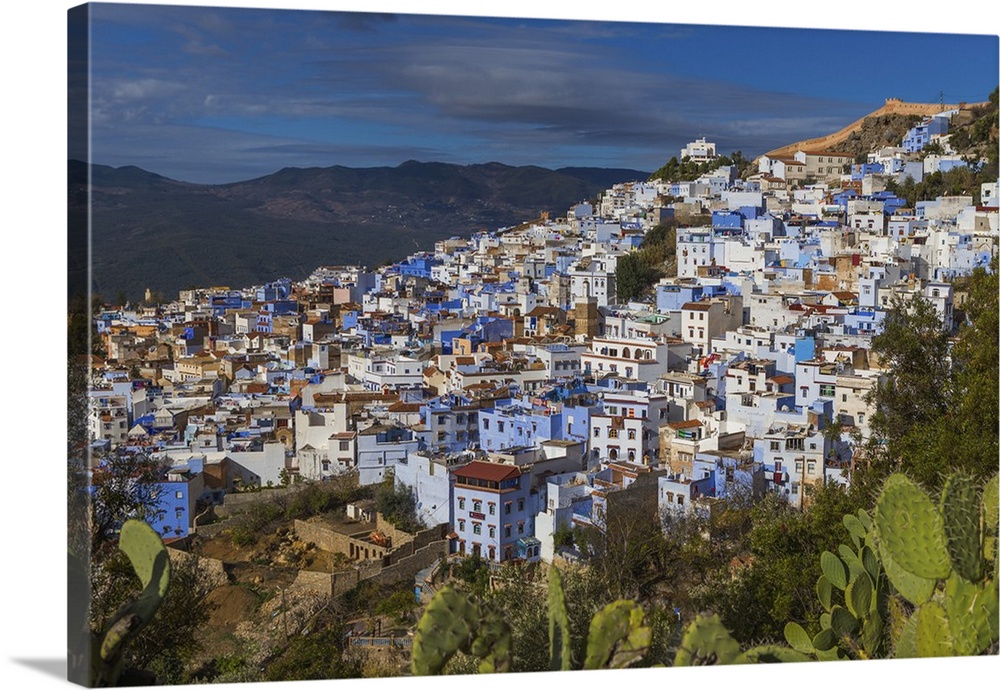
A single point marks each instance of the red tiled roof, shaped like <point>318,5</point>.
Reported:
<point>689,424</point>
<point>490,471</point>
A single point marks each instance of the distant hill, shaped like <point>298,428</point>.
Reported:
<point>153,232</point>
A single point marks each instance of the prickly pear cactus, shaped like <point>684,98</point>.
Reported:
<point>911,530</point>
<point>559,642</point>
<point>457,622</point>
<point>920,579</point>
<point>617,637</point>
<point>707,642</point>
<point>148,556</point>
<point>960,510</point>
<point>917,581</point>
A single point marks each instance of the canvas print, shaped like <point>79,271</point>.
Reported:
<point>421,345</point>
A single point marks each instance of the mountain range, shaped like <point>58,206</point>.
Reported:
<point>148,231</point>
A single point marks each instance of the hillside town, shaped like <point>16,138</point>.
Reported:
<point>502,381</point>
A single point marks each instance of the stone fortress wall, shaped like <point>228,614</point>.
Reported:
<point>893,106</point>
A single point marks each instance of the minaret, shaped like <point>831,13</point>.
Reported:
<point>587,317</point>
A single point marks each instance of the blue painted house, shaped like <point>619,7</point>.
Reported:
<point>918,137</point>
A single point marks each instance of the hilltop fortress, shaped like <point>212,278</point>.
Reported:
<point>893,106</point>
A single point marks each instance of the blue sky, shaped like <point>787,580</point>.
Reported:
<point>211,94</point>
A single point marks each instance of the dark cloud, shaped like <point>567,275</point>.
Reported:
<point>363,22</point>
<point>259,90</point>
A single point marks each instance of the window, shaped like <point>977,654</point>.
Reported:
<point>477,506</point>
<point>345,445</point>
<point>811,468</point>
<point>506,508</point>
<point>179,494</point>
<point>461,525</point>
<point>461,503</point>
<point>477,528</point>
<point>486,424</point>
<point>492,508</point>
<point>597,432</point>
<point>861,418</point>
<point>680,500</point>
<point>775,445</point>
<point>506,530</point>
<point>520,504</point>
<point>493,531</point>
<point>520,528</point>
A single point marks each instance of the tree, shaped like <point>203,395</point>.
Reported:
<point>936,411</point>
<point>316,656</point>
<point>638,270</point>
<point>124,485</point>
<point>973,443</point>
<point>626,547</point>
<point>167,645</point>
<point>915,391</point>
<point>398,505</point>
<point>630,277</point>
<point>778,582</point>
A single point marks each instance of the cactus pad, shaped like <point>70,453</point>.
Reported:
<point>617,638</point>
<point>933,636</point>
<point>824,592</point>
<point>772,654</point>
<point>825,640</point>
<point>842,622</point>
<point>872,633</point>
<point>911,530</point>
<point>870,562</point>
<point>148,556</point>
<point>796,636</point>
<point>559,643</point>
<point>906,642</point>
<point>859,595</point>
<point>960,511</point>
<point>443,629</point>
<point>972,612</point>
<point>855,529</point>
<point>851,560</point>
<point>914,589</point>
<point>833,570</point>
<point>707,642</point>
<point>991,505</point>
<point>453,622</point>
